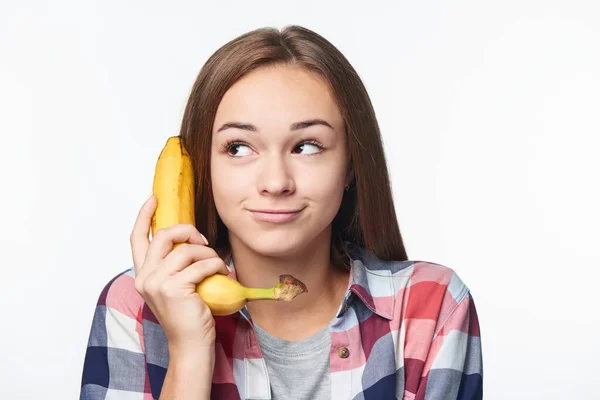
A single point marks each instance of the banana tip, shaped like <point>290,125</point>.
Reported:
<point>289,287</point>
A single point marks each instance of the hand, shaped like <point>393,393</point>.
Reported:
<point>167,278</point>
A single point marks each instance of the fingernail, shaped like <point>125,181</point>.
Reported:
<point>205,240</point>
<point>149,196</point>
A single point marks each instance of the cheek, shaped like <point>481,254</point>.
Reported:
<point>222,188</point>
<point>324,190</point>
<point>324,182</point>
<point>227,187</point>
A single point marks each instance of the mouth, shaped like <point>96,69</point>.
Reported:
<point>275,216</point>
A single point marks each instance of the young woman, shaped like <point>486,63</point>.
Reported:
<point>291,178</point>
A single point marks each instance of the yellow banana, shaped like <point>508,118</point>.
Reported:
<point>173,188</point>
<point>226,296</point>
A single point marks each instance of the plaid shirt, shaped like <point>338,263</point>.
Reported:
<point>405,330</point>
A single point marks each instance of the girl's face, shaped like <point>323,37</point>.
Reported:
<point>278,144</point>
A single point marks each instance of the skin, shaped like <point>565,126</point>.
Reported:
<point>274,169</point>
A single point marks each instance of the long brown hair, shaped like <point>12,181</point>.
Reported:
<point>367,216</point>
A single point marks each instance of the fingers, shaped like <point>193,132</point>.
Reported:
<point>191,275</point>
<point>200,270</point>
<point>177,260</point>
<point>164,240</point>
<point>139,238</point>
<point>185,255</point>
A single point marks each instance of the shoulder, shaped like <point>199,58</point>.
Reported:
<point>434,274</point>
<point>117,321</point>
<point>434,292</point>
<point>415,289</point>
<point>119,294</point>
<point>378,275</point>
<point>429,298</point>
<point>415,275</point>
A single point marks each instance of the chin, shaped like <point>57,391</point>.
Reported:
<point>275,244</point>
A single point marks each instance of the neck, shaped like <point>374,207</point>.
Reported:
<point>307,313</point>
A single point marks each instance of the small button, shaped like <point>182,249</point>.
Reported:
<point>343,352</point>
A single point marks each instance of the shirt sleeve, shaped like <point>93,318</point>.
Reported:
<point>454,365</point>
<point>114,364</point>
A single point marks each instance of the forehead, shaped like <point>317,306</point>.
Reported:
<point>279,94</point>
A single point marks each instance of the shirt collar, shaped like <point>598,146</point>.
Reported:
<point>370,281</point>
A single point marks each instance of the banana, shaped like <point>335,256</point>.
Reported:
<point>226,296</point>
<point>173,188</point>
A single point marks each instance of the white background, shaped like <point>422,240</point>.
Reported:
<point>490,117</point>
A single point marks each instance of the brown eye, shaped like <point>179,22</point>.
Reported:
<point>310,147</point>
<point>235,149</point>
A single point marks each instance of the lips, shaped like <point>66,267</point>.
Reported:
<point>275,216</point>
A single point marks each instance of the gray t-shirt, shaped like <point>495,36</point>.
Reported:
<point>297,370</point>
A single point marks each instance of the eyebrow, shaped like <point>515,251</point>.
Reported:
<point>293,127</point>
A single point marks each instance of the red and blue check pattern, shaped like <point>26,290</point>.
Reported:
<point>407,330</point>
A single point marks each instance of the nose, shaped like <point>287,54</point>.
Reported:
<point>275,178</point>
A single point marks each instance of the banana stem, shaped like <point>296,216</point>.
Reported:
<point>286,289</point>
<point>260,294</point>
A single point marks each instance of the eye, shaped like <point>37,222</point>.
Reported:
<point>233,146</point>
<point>316,147</point>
